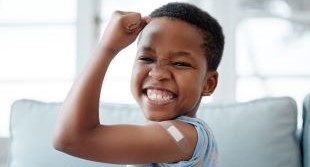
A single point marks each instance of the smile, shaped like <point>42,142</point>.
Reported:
<point>159,96</point>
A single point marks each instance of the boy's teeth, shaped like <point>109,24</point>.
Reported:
<point>159,95</point>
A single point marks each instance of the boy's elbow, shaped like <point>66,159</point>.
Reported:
<point>60,144</point>
<point>63,143</point>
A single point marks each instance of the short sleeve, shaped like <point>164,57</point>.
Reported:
<point>205,154</point>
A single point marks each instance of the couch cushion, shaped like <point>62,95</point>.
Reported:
<point>306,131</point>
<point>31,131</point>
<point>257,133</point>
<point>260,133</point>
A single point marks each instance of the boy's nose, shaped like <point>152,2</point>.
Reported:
<point>160,72</point>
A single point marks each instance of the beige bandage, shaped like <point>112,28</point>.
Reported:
<point>176,135</point>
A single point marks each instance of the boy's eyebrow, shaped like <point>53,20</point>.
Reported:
<point>181,53</point>
<point>147,49</point>
<point>178,53</point>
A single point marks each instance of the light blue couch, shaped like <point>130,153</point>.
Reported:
<point>259,133</point>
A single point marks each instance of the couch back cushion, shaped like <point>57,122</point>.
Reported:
<point>260,133</point>
<point>306,131</point>
<point>31,133</point>
<point>257,133</point>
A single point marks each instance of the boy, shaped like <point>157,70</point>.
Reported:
<point>179,50</point>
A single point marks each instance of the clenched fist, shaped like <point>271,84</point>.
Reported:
<point>122,29</point>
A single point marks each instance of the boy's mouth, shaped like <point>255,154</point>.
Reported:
<point>159,96</point>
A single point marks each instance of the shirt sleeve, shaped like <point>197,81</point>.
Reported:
<point>205,153</point>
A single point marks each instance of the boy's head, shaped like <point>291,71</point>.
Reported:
<point>172,70</point>
<point>211,30</point>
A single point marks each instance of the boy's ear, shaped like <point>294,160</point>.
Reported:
<point>210,83</point>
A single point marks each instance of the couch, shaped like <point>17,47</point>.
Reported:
<point>258,133</point>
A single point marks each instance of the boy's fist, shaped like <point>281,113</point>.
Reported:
<point>122,29</point>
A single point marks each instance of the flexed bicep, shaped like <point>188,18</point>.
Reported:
<point>137,144</point>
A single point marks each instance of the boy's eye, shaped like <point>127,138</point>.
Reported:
<point>146,59</point>
<point>181,64</point>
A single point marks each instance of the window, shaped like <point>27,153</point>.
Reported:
<point>37,55</point>
<point>275,62</point>
<point>272,50</point>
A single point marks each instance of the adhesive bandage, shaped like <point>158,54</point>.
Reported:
<point>176,135</point>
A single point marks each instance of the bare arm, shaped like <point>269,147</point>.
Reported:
<point>79,132</point>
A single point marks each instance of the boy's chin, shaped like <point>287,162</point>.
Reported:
<point>158,116</point>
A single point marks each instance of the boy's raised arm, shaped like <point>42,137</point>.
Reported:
<point>79,115</point>
<point>79,132</point>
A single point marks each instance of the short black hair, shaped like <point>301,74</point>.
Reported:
<point>213,36</point>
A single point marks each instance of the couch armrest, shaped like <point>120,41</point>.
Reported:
<point>4,142</point>
<point>306,131</point>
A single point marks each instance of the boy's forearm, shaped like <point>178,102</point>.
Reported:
<point>84,96</point>
<point>79,113</point>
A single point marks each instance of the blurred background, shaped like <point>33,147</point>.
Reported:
<point>44,44</point>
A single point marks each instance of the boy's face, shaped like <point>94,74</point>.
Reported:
<point>170,76</point>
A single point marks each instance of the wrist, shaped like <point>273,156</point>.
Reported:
<point>106,51</point>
